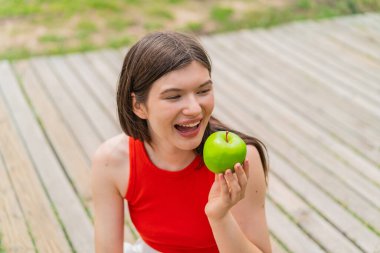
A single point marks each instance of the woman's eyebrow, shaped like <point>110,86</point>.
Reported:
<point>176,89</point>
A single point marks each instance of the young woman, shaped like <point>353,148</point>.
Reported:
<point>165,101</point>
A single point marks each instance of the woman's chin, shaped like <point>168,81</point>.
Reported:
<point>189,143</point>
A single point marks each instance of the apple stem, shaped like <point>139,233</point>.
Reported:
<point>226,136</point>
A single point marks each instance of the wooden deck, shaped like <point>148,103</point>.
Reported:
<point>310,91</point>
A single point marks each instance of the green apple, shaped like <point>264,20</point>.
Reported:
<point>222,150</point>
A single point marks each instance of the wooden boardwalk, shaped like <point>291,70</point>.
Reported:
<point>310,91</point>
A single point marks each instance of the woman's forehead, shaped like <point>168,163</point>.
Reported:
<point>191,76</point>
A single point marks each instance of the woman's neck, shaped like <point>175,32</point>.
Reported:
<point>169,158</point>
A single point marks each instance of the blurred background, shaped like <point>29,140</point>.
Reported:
<point>39,27</point>
<point>309,90</point>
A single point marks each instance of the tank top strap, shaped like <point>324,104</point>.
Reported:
<point>132,169</point>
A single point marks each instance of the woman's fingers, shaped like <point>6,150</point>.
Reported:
<point>233,185</point>
<point>223,186</point>
<point>242,176</point>
<point>235,188</point>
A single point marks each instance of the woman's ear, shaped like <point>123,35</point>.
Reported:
<point>138,108</point>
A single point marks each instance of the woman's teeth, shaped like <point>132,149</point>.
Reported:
<point>190,125</point>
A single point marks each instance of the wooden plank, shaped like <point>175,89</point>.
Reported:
<point>375,135</point>
<point>331,239</point>
<point>113,57</point>
<point>31,196</point>
<point>130,230</point>
<point>281,54</point>
<point>373,149</point>
<point>93,83</point>
<point>331,211</point>
<point>69,209</point>
<point>73,159</point>
<point>333,186</point>
<point>309,105</point>
<point>367,36</point>
<point>87,137</point>
<point>13,227</point>
<point>320,170</point>
<point>123,52</point>
<point>305,66</point>
<point>97,117</point>
<point>371,20</point>
<point>309,47</point>
<point>299,101</point>
<point>353,229</point>
<point>280,226</point>
<point>318,72</point>
<point>303,38</point>
<point>350,57</point>
<point>294,238</point>
<point>343,38</point>
<point>362,27</point>
<point>317,137</point>
<point>108,60</point>
<point>104,69</point>
<point>241,96</point>
<point>277,247</point>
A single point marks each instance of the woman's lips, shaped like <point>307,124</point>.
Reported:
<point>188,131</point>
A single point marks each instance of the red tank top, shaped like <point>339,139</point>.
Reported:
<point>167,208</point>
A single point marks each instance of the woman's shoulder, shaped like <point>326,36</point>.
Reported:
<point>253,152</point>
<point>110,162</point>
<point>113,151</point>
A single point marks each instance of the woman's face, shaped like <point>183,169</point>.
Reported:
<point>179,106</point>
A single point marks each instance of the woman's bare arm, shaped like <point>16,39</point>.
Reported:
<point>107,169</point>
<point>244,227</point>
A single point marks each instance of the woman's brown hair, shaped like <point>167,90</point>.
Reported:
<point>150,58</point>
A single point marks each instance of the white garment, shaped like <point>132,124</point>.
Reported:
<point>138,247</point>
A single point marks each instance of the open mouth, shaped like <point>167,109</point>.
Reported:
<point>188,128</point>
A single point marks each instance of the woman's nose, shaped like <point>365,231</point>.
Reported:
<point>192,107</point>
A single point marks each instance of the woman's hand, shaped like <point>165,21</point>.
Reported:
<point>227,190</point>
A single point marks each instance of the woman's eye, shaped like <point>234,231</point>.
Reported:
<point>173,97</point>
<point>203,91</point>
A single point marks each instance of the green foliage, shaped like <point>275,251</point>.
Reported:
<point>15,53</point>
<point>104,5</point>
<point>175,1</point>
<point>119,23</point>
<point>47,38</point>
<point>87,26</point>
<point>304,4</point>
<point>98,23</point>
<point>85,29</point>
<point>132,1</point>
<point>18,8</point>
<point>221,14</point>
<point>153,25</point>
<point>120,42</point>
<point>160,12</point>
<point>2,250</point>
<point>194,26</point>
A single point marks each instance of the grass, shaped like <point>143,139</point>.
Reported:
<point>301,10</point>
<point>82,25</point>
<point>120,42</point>
<point>194,27</point>
<point>118,23</point>
<point>221,14</point>
<point>2,250</point>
